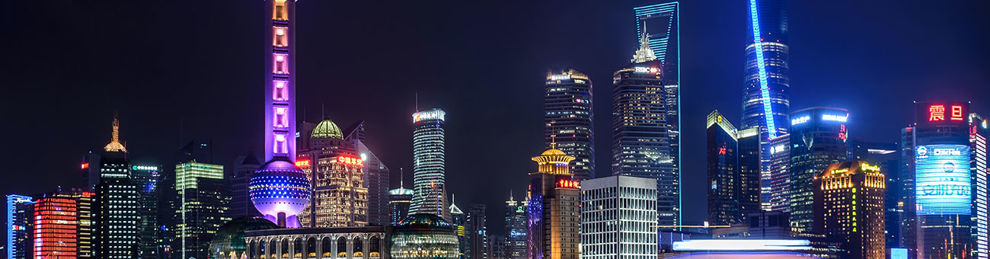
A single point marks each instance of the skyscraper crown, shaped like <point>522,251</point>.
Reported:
<point>114,145</point>
<point>644,53</point>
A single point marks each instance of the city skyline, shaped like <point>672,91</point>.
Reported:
<point>139,95</point>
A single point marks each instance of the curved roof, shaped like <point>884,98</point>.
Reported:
<point>327,129</point>
<point>400,191</point>
<point>553,152</point>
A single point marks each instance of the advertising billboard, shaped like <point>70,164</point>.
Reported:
<point>942,178</point>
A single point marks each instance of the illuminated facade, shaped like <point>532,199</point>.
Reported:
<point>849,206</point>
<point>423,236</point>
<point>641,141</point>
<point>400,199</point>
<point>146,177</point>
<point>279,189</point>
<point>55,227</point>
<point>766,94</point>
<point>945,188</point>
<point>554,202</point>
<point>336,172</point>
<point>818,139</point>
<point>617,217</point>
<point>662,23</point>
<point>428,164</point>
<point>370,242</point>
<point>516,235</point>
<point>230,240</point>
<point>733,171</point>
<point>568,119</point>
<point>204,201</point>
<point>778,178</point>
<point>978,166</point>
<point>20,226</point>
<point>116,207</point>
<point>459,220</point>
<point>884,155</point>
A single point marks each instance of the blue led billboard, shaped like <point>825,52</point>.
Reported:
<point>942,178</point>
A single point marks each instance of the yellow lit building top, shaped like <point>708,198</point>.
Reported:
<point>114,145</point>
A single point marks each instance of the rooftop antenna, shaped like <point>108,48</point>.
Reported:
<point>417,101</point>
<point>401,174</point>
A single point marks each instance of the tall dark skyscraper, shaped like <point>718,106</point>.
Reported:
<point>662,23</point>
<point>733,171</point>
<point>818,139</point>
<point>568,119</point>
<point>477,236</point>
<point>399,199</point>
<point>640,132</point>
<point>376,176</point>
<point>146,177</point>
<point>240,201</point>
<point>516,235</point>
<point>908,221</point>
<point>117,204</point>
<point>428,164</point>
<point>885,155</point>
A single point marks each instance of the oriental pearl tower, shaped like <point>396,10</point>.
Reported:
<point>279,189</point>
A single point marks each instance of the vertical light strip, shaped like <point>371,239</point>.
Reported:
<point>761,64</point>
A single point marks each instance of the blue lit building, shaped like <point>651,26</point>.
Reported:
<point>662,23</point>
<point>19,222</point>
<point>818,139</point>
<point>641,144</point>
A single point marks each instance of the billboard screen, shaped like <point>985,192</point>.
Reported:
<point>942,178</point>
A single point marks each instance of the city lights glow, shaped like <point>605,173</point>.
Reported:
<point>761,64</point>
<point>742,245</point>
<point>834,117</point>
<point>800,120</point>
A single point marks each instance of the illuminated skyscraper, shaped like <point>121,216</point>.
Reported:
<point>662,23</point>
<point>978,170</point>
<point>204,200</point>
<point>617,217</point>
<point>554,202</point>
<point>279,189</point>
<point>778,189</point>
<point>459,219</point>
<point>20,226</point>
<point>55,227</point>
<point>884,155</point>
<point>116,208</point>
<point>428,164</point>
<point>640,130</point>
<point>336,172</point>
<point>399,199</point>
<point>849,207</point>
<point>568,119</point>
<point>516,235</point>
<point>733,171</point>
<point>146,177</point>
<point>818,139</point>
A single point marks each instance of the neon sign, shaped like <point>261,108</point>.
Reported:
<point>568,183</point>
<point>560,77</point>
<point>144,168</point>
<point>302,163</point>
<point>429,115</point>
<point>957,113</point>
<point>936,113</point>
<point>645,69</point>
<point>833,117</point>
<point>942,178</point>
<point>350,160</point>
<point>842,132</point>
<point>761,64</point>
<point>868,167</point>
<point>84,166</point>
<point>799,120</point>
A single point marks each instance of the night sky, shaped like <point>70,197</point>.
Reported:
<point>182,69</point>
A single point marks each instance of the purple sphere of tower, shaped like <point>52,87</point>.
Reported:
<point>280,191</point>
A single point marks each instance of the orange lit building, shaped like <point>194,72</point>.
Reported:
<point>335,170</point>
<point>849,207</point>
<point>55,228</point>
<point>554,203</point>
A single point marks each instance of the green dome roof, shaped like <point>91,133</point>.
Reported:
<point>230,237</point>
<point>327,129</point>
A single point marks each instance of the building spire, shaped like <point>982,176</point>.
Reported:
<point>114,145</point>
<point>553,141</point>
<point>644,53</point>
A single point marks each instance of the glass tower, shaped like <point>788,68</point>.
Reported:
<point>117,203</point>
<point>662,23</point>
<point>204,199</point>
<point>617,218</point>
<point>568,119</point>
<point>818,139</point>
<point>428,164</point>
<point>640,136</point>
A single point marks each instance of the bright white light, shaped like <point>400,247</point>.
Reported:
<point>364,156</point>
<point>833,117</point>
<point>742,245</point>
<point>799,120</point>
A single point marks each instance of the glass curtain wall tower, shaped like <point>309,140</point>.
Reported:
<point>428,164</point>
<point>640,137</point>
<point>279,189</point>
<point>117,204</point>
<point>662,23</point>
<point>567,108</point>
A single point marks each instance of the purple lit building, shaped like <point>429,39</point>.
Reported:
<point>279,189</point>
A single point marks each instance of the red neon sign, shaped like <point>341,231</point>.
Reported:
<point>936,112</point>
<point>842,132</point>
<point>957,113</point>
<point>567,183</point>
<point>302,163</point>
<point>84,166</point>
<point>350,160</point>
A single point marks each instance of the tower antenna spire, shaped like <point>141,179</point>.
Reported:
<point>114,145</point>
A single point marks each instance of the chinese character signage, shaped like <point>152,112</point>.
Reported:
<point>942,112</point>
<point>942,179</point>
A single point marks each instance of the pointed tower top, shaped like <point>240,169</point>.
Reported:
<point>114,145</point>
<point>644,53</point>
